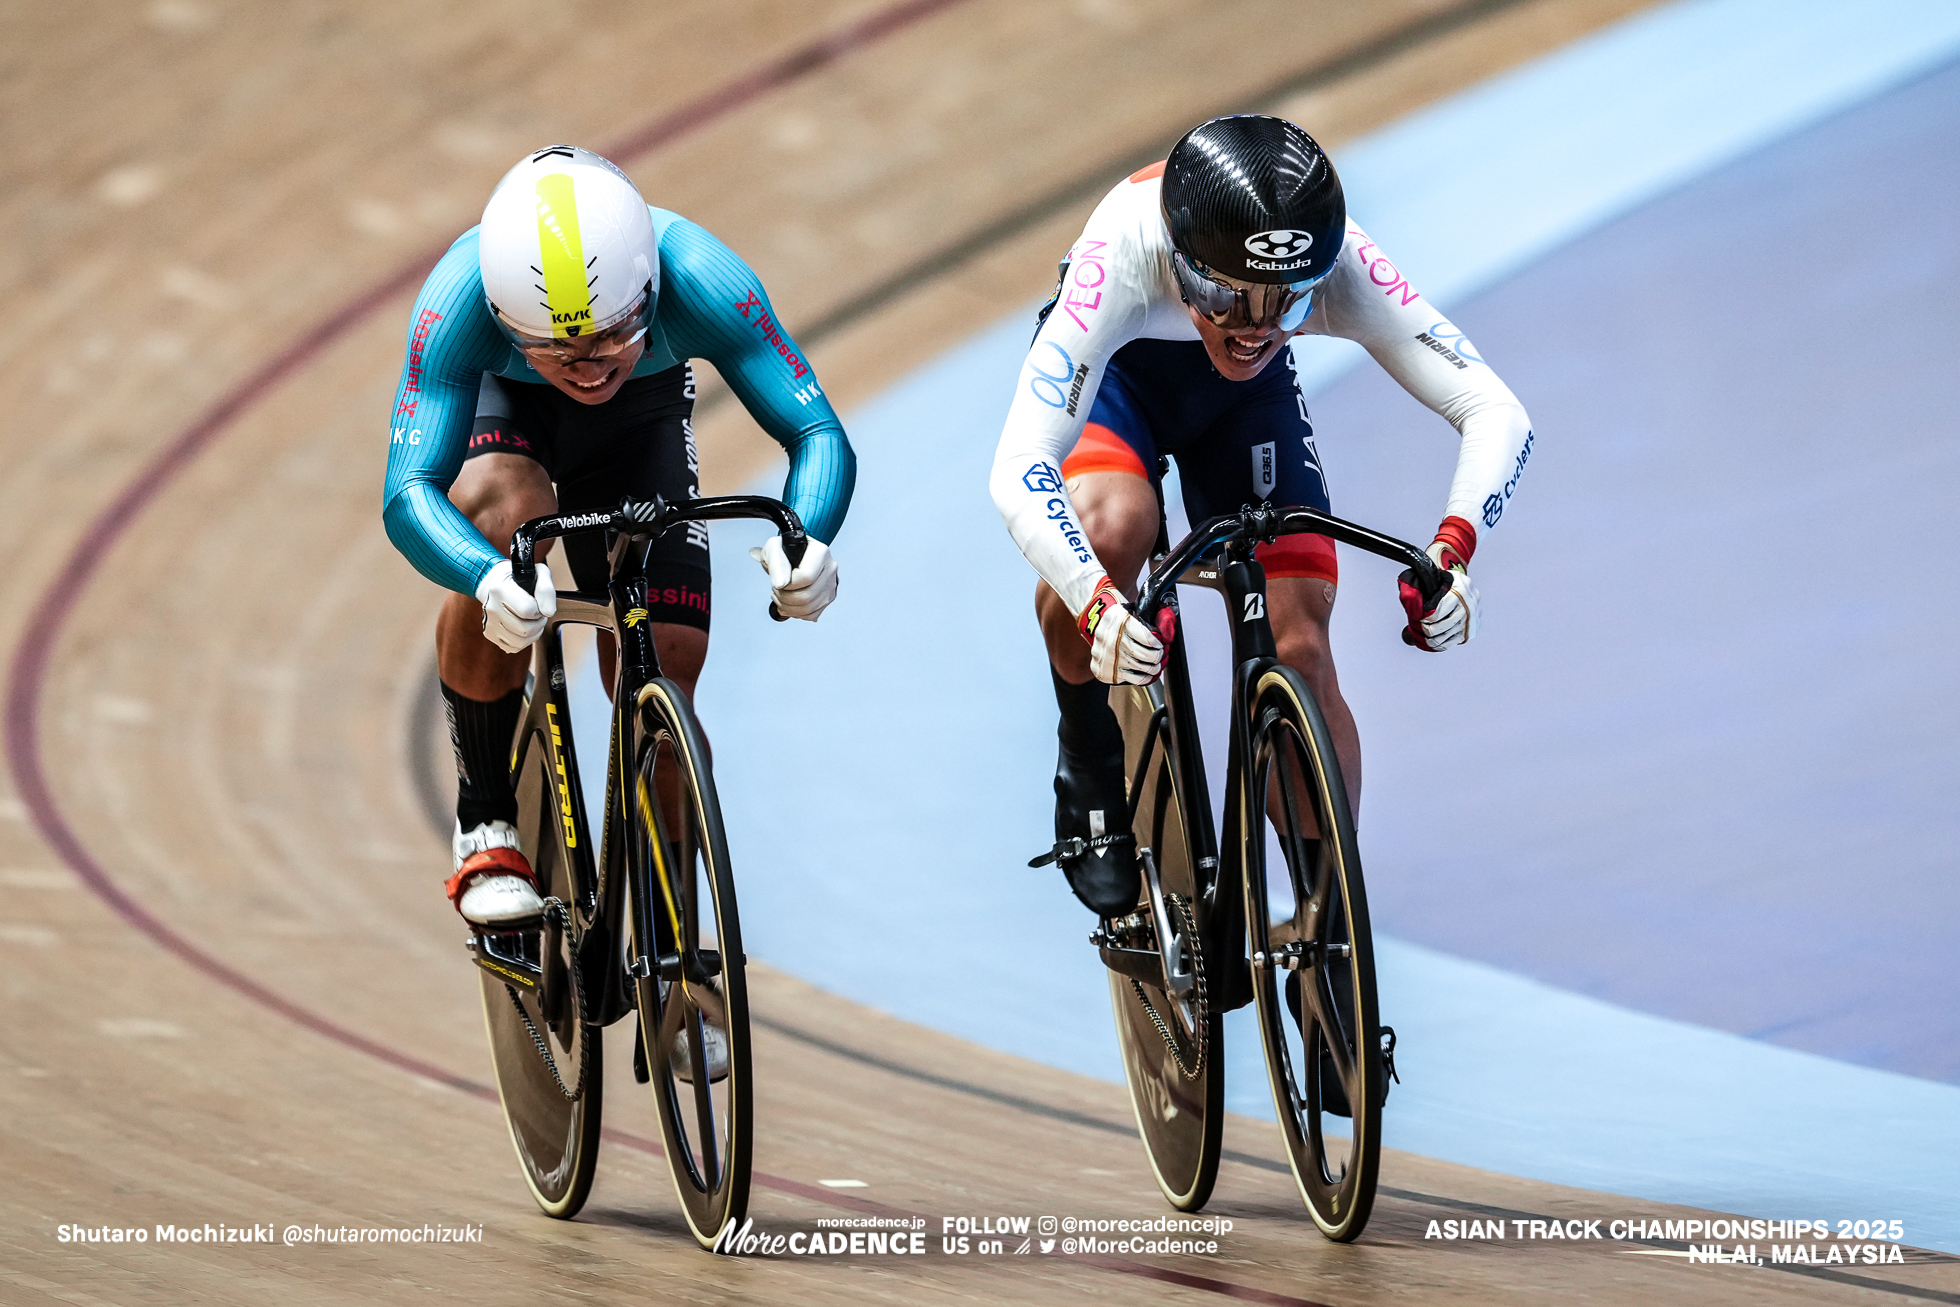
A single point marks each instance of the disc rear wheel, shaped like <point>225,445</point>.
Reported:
<point>546,1055</point>
<point>1172,1043</point>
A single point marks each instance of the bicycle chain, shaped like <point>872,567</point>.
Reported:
<point>554,906</point>
<point>1203,1007</point>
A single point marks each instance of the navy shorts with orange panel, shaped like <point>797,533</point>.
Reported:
<point>1235,442</point>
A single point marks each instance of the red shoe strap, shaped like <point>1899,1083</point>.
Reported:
<point>490,862</point>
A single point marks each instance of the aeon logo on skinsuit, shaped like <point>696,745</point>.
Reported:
<point>1279,244</point>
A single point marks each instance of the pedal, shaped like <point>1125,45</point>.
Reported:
<point>1132,931</point>
<point>510,956</point>
<point>1129,949</point>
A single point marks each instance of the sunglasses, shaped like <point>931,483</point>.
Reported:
<point>1233,304</point>
<point>612,340</point>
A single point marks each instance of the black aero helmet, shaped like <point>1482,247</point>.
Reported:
<point>1255,201</point>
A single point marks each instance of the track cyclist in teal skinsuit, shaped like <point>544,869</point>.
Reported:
<point>547,370</point>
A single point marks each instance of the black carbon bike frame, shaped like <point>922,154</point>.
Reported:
<point>1219,555</point>
<point>622,611</point>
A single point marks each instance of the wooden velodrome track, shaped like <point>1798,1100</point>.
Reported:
<point>234,993</point>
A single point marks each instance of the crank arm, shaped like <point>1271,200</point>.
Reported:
<point>1178,978</point>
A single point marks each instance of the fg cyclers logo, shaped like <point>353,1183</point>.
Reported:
<point>1279,244</point>
<point>1494,506</point>
<point>1042,479</point>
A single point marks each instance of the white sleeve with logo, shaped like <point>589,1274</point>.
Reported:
<point>1105,300</point>
<point>1367,300</point>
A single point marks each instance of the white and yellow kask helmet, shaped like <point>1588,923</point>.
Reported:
<point>567,249</point>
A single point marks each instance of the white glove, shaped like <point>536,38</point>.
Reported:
<point>511,618</point>
<point>805,590</point>
<point>1122,650</point>
<point>1453,620</point>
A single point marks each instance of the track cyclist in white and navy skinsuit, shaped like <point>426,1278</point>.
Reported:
<point>1168,334</point>
<point>547,370</point>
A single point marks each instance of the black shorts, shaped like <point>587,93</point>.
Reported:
<point>640,443</point>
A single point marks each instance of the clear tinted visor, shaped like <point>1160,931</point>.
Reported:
<point>1236,305</point>
<point>602,341</point>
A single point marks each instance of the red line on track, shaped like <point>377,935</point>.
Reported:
<point>27,677</point>
<point>807,59</point>
<point>51,611</point>
<point>28,674</point>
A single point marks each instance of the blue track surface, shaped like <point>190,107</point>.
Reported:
<point>1710,783</point>
<point>1703,762</point>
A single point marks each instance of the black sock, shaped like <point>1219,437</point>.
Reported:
<point>1089,728</point>
<point>481,734</point>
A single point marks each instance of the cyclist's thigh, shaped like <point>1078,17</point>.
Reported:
<point>641,443</point>
<point>1261,450</point>
<point>506,475</point>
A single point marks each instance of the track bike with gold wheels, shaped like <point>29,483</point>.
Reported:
<point>643,921</point>
<point>1274,913</point>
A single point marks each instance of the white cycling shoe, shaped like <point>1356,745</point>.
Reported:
<point>493,885</point>
<point>716,1045</point>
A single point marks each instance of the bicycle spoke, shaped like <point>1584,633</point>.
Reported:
<point>705,1140</point>
<point>673,1011</point>
<point>655,855</point>
<point>705,998</point>
<point>1309,888</point>
<point>1340,1043</point>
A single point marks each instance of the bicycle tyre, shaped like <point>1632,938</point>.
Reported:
<point>685,874</point>
<point>556,1138</point>
<point>1330,909</point>
<point>1180,1116</point>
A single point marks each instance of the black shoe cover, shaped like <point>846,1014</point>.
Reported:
<point>1105,878</point>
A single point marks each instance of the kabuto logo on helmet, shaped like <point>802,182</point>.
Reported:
<point>1280,244</point>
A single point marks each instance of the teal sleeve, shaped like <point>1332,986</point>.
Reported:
<point>713,307</point>
<point>451,344</point>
